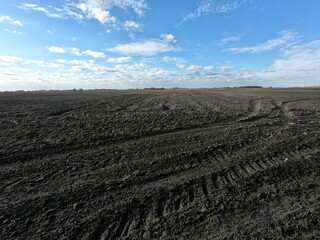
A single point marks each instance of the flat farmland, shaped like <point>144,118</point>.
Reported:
<point>160,164</point>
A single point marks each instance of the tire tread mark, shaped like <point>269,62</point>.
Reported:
<point>204,186</point>
<point>199,187</point>
<point>214,181</point>
<point>248,169</point>
<point>234,174</point>
<point>256,166</point>
<point>262,164</point>
<point>121,227</point>
<point>159,208</point>
<point>191,194</point>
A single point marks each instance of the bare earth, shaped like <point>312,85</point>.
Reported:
<point>171,164</point>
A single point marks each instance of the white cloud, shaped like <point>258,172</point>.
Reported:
<point>206,7</point>
<point>146,48</point>
<point>120,60</point>
<point>41,63</point>
<point>133,67</point>
<point>128,25</point>
<point>138,6</point>
<point>75,51</point>
<point>81,65</point>
<point>100,10</point>
<point>53,12</point>
<point>94,54</point>
<point>55,49</point>
<point>20,69</point>
<point>10,20</point>
<point>225,41</point>
<point>172,59</point>
<point>168,37</point>
<point>97,69</point>
<point>223,69</point>
<point>296,49</point>
<point>298,66</point>
<point>287,39</point>
<point>188,67</point>
<point>12,31</point>
<point>78,68</point>
<point>13,61</point>
<point>94,9</point>
<point>226,68</point>
<point>10,59</point>
<point>87,74</point>
<point>35,7</point>
<point>5,19</point>
<point>73,62</point>
<point>17,22</point>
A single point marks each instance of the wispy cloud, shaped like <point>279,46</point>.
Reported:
<point>10,20</point>
<point>53,12</point>
<point>148,47</point>
<point>227,40</point>
<point>223,69</point>
<point>120,60</point>
<point>298,65</point>
<point>100,10</point>
<point>207,7</point>
<point>138,6</point>
<point>286,39</point>
<point>12,31</point>
<point>93,9</point>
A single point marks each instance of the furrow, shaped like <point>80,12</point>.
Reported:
<point>204,186</point>
<point>187,194</point>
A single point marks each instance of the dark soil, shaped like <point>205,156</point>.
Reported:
<point>170,164</point>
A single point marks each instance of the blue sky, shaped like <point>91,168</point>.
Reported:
<point>55,44</point>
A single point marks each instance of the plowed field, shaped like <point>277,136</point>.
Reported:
<point>169,164</point>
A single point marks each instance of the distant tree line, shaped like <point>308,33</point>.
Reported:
<point>251,87</point>
<point>153,88</point>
